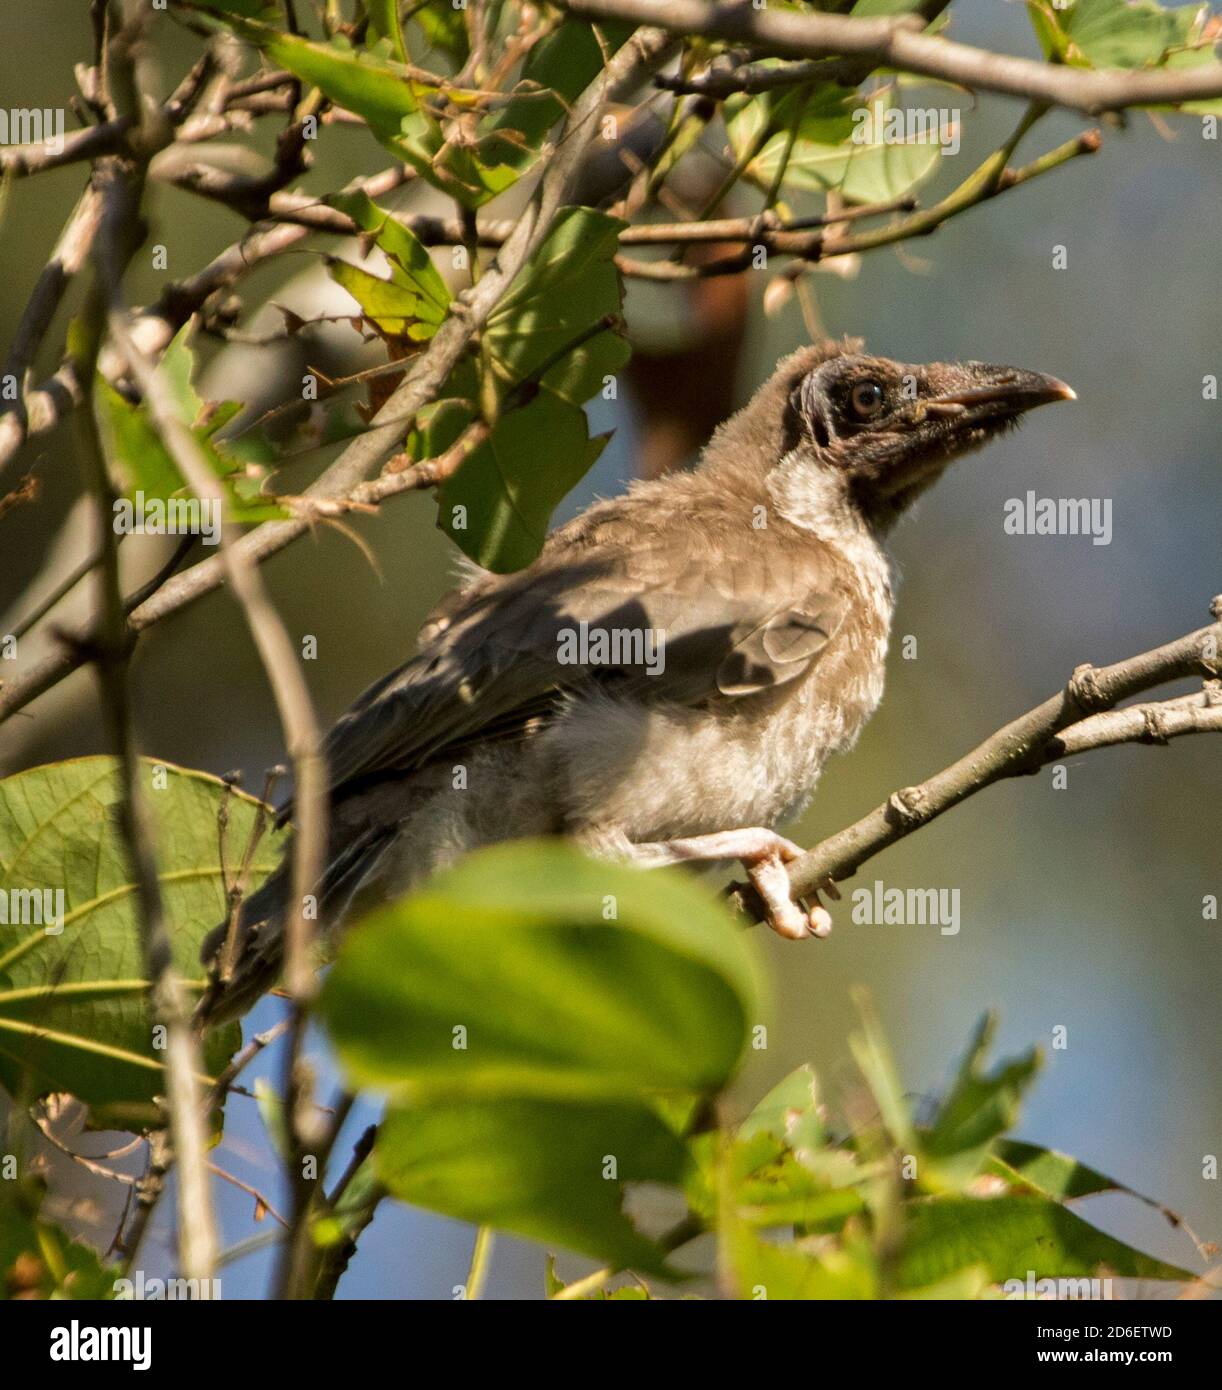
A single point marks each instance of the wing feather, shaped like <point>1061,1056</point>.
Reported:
<point>731,625</point>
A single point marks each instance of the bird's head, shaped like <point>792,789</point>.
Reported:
<point>892,427</point>
<point>885,429</point>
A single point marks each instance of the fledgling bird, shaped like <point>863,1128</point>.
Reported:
<point>666,681</point>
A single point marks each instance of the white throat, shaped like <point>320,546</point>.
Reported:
<point>818,500</point>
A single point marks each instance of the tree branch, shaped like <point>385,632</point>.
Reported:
<point>991,178</point>
<point>1076,719</point>
<point>893,43</point>
<point>120,184</point>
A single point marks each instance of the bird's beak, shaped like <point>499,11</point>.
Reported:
<point>1010,388</point>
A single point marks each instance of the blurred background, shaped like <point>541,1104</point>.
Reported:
<point>1081,907</point>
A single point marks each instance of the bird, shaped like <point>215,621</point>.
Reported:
<point>665,682</point>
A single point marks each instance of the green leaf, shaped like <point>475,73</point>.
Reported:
<point>413,303</point>
<point>978,1107</point>
<point>965,1284</point>
<point>556,72</point>
<point>829,149</point>
<point>496,508</point>
<point>275,1122</point>
<point>552,1283</point>
<point>391,309</point>
<point>790,1112</point>
<point>443,27</point>
<point>763,1271</point>
<point>372,86</point>
<point>73,1004</point>
<point>824,116</point>
<point>1028,1167</point>
<point>531,971</point>
<point>535,1167</point>
<point>1116,33</point>
<point>1012,1236</point>
<point>393,100</point>
<point>771,1187</point>
<point>1054,1174</point>
<point>384,24</point>
<point>825,156</point>
<point>354,1210</point>
<point>873,1056</point>
<point>143,464</point>
<point>779,1169</point>
<point>551,344</point>
<point>565,290</point>
<point>133,446</point>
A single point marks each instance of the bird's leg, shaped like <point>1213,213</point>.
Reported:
<point>764,854</point>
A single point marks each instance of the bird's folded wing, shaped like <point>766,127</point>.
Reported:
<point>652,621</point>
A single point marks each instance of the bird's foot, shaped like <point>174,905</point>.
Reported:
<point>784,913</point>
<point>764,854</point>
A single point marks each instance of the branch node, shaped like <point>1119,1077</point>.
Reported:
<point>1156,725</point>
<point>1085,691</point>
<point>908,806</point>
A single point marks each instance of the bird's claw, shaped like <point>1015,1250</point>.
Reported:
<point>785,915</point>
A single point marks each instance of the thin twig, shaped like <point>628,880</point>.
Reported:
<point>233,1180</point>
<point>993,177</point>
<point>120,182</point>
<point>481,1259</point>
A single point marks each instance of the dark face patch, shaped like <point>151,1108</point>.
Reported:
<point>894,426</point>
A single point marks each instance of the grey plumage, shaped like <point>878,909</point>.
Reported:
<point>764,571</point>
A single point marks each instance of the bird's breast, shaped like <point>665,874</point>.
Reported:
<point>659,771</point>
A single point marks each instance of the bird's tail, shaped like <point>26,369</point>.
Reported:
<point>243,965</point>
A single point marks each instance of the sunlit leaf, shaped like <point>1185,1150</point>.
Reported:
<point>1011,1236</point>
<point>413,302</point>
<point>73,1002</point>
<point>568,287</point>
<point>552,326</point>
<point>978,1107</point>
<point>790,1111</point>
<point>1112,33</point>
<point>550,1171</point>
<point>143,464</point>
<point>764,1271</point>
<point>507,977</point>
<point>1028,1167</point>
<point>384,24</point>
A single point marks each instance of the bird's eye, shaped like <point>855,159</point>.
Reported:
<point>866,399</point>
